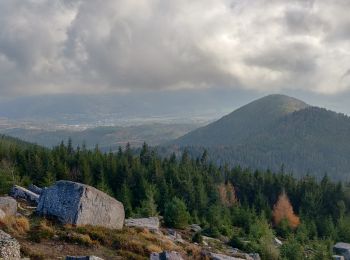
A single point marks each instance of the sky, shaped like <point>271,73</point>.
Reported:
<point>297,47</point>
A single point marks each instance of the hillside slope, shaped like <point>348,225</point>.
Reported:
<point>275,131</point>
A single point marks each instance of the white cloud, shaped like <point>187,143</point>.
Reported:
<point>123,45</point>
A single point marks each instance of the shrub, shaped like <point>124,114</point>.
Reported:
<point>176,214</point>
<point>197,238</point>
<point>291,249</point>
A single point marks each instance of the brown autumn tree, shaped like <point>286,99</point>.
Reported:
<point>283,209</point>
<point>227,194</point>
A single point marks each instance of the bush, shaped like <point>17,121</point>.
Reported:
<point>176,214</point>
<point>197,238</point>
<point>292,250</point>
<point>283,228</point>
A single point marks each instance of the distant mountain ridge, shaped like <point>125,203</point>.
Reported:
<point>277,130</point>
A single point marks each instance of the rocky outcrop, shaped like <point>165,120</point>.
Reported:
<point>151,223</point>
<point>79,204</point>
<point>35,189</point>
<point>9,247</point>
<point>8,205</point>
<point>19,192</point>
<point>166,256</point>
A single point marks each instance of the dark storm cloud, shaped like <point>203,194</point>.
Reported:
<point>82,46</point>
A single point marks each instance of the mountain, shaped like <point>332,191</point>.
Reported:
<point>243,123</point>
<point>278,130</point>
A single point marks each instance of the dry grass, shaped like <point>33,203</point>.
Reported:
<point>128,243</point>
<point>138,241</point>
<point>16,226</point>
<point>193,251</point>
<point>76,238</point>
<point>41,230</point>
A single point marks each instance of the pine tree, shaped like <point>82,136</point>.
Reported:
<point>148,206</point>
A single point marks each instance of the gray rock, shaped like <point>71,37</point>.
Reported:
<point>342,249</point>
<point>277,242</point>
<point>79,204</point>
<point>214,256</point>
<point>19,192</point>
<point>195,227</point>
<point>35,189</point>
<point>9,247</point>
<point>166,256</point>
<point>254,256</point>
<point>2,214</point>
<point>175,236</point>
<point>83,258</point>
<point>8,205</point>
<point>151,223</point>
<point>338,257</point>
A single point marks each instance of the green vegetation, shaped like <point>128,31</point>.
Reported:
<point>235,203</point>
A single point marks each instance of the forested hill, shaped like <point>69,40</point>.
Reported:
<point>304,139</point>
<point>243,123</point>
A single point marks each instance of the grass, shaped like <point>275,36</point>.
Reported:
<point>17,226</point>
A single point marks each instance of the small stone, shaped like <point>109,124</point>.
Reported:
<point>254,256</point>
<point>196,228</point>
<point>166,256</point>
<point>83,258</point>
<point>214,256</point>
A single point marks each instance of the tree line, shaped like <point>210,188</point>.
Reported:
<point>248,207</point>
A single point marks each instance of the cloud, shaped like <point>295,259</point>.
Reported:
<point>83,46</point>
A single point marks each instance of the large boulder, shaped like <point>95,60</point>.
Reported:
<point>19,192</point>
<point>8,205</point>
<point>79,204</point>
<point>9,247</point>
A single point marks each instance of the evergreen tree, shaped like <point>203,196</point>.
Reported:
<point>176,214</point>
